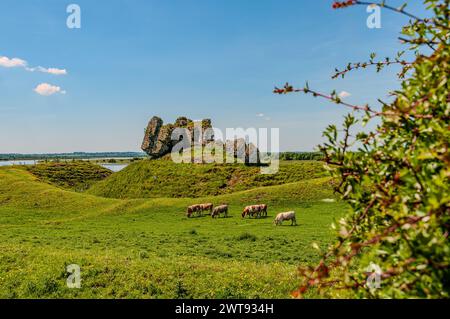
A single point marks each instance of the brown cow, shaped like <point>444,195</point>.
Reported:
<point>253,210</point>
<point>206,207</point>
<point>193,209</point>
<point>263,210</point>
<point>222,209</point>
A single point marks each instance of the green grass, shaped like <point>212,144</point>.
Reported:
<point>75,175</point>
<point>162,178</point>
<point>147,248</point>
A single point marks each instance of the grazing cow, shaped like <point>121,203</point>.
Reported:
<point>248,211</point>
<point>222,209</point>
<point>263,211</point>
<point>281,217</point>
<point>193,209</point>
<point>206,207</point>
<point>253,210</point>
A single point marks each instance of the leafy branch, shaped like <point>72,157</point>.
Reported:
<point>380,65</point>
<point>334,97</point>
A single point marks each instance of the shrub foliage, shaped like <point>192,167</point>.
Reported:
<point>395,178</point>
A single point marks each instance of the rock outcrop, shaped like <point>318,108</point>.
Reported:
<point>158,140</point>
<point>158,137</point>
<point>243,152</point>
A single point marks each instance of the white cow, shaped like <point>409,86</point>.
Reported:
<point>281,217</point>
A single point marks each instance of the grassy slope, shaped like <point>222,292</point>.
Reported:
<point>161,178</point>
<point>75,175</point>
<point>148,248</point>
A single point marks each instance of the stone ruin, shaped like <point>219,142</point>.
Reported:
<point>158,136</point>
<point>158,140</point>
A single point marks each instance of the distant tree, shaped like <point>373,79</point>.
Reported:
<point>301,156</point>
<point>397,182</point>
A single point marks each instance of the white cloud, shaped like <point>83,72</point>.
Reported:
<point>46,89</point>
<point>53,71</point>
<point>12,63</point>
<point>344,94</point>
<point>262,115</point>
<point>16,62</point>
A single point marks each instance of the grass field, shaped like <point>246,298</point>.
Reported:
<point>147,248</point>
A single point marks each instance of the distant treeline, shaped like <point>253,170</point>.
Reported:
<point>284,156</point>
<point>301,156</point>
<point>76,155</point>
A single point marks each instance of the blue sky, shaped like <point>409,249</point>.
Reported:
<point>217,59</point>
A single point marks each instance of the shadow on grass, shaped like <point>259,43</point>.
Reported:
<point>288,225</point>
<point>258,218</point>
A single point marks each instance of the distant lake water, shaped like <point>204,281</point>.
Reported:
<point>112,167</point>
<point>24,162</point>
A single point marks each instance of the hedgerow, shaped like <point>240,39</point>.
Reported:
<point>396,177</point>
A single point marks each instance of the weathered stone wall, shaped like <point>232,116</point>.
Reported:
<point>158,137</point>
<point>158,140</point>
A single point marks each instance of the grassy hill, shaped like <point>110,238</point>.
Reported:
<point>75,175</point>
<point>147,248</point>
<point>162,178</point>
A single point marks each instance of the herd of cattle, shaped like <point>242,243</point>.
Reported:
<point>255,211</point>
